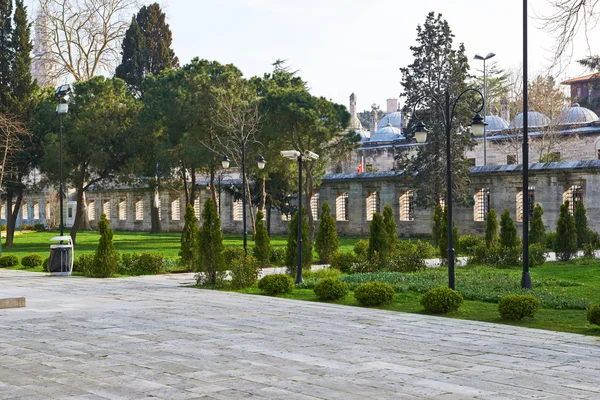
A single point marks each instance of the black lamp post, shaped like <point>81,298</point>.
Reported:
<point>477,126</point>
<point>478,57</point>
<point>63,94</point>
<point>526,278</point>
<point>296,155</point>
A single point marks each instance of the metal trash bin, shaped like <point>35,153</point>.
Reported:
<point>61,256</point>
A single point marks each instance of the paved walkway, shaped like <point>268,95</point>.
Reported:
<point>146,337</point>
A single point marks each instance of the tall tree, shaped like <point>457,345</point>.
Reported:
<point>6,53</point>
<point>438,68</point>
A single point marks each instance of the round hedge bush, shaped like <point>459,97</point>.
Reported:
<point>330,289</point>
<point>31,260</point>
<point>374,294</point>
<point>517,306</point>
<point>441,300</point>
<point>9,260</point>
<point>276,284</point>
<point>593,314</point>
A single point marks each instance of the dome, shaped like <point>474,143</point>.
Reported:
<point>388,133</point>
<point>495,123</point>
<point>395,119</point>
<point>365,136</point>
<point>355,123</point>
<point>534,120</point>
<point>576,115</point>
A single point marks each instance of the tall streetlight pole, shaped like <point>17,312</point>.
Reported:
<point>526,278</point>
<point>63,94</point>
<point>477,125</point>
<point>478,57</point>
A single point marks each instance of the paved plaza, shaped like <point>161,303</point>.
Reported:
<point>149,337</point>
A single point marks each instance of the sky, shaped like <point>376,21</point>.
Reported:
<point>345,46</point>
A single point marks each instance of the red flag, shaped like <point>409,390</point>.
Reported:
<point>360,167</point>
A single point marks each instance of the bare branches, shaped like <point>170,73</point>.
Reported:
<point>12,135</point>
<point>85,34</point>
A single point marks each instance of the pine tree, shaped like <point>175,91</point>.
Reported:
<point>565,244</point>
<point>22,86</point>
<point>443,242</point>
<point>438,216</point>
<point>210,246</point>
<point>106,259</point>
<point>291,253</point>
<point>262,242</point>
<point>508,231</point>
<point>537,230</point>
<point>390,226</point>
<point>581,223</point>
<point>378,238</point>
<point>188,253</point>
<point>326,241</point>
<point>491,229</point>
<point>6,54</point>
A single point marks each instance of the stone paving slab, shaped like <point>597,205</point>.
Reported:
<point>143,337</point>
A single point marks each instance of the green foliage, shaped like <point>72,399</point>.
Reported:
<point>330,289</point>
<point>277,256</point>
<point>106,259</point>
<point>9,260</point>
<point>517,306</point>
<point>593,314</point>
<point>378,238</point>
<point>508,231</point>
<point>390,226</point>
<point>326,242</point>
<point>39,227</point>
<point>31,260</point>
<point>262,242</point>
<point>244,272</point>
<point>361,249</point>
<point>588,251</point>
<point>210,266</point>
<point>438,216</point>
<point>443,241</point>
<point>45,263</point>
<point>565,244</point>
<point>311,278</point>
<point>537,230</point>
<point>537,255</point>
<point>275,284</point>
<point>82,264</point>
<point>188,253</point>
<point>581,224</point>
<point>408,257</point>
<point>468,243</point>
<point>144,263</point>
<point>497,256</point>
<point>233,253</point>
<point>441,300</point>
<point>374,294</point>
<point>491,229</point>
<point>291,253</point>
<point>343,261</point>
<point>551,238</point>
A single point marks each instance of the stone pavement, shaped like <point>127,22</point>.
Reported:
<point>147,337</point>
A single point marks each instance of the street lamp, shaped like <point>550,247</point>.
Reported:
<point>477,126</point>
<point>525,278</point>
<point>63,93</point>
<point>296,155</point>
<point>478,57</point>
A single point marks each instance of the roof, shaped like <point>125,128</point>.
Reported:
<point>581,79</point>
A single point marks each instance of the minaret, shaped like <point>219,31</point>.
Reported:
<point>373,124</point>
<point>353,106</point>
<point>504,111</point>
<point>43,67</point>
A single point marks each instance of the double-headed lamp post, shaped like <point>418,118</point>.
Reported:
<point>477,125</point>
<point>296,155</point>
<point>479,57</point>
<point>63,93</point>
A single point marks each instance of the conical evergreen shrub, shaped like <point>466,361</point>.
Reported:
<point>491,229</point>
<point>581,224</point>
<point>436,231</point>
<point>210,263</point>
<point>188,253</point>
<point>106,259</point>
<point>537,230</point>
<point>508,231</point>
<point>326,241</point>
<point>379,241</point>
<point>443,242</point>
<point>565,244</point>
<point>291,253</point>
<point>262,242</point>
<point>390,226</point>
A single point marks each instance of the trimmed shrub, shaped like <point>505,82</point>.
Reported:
<point>276,284</point>
<point>231,253</point>
<point>407,258</point>
<point>46,260</point>
<point>291,253</point>
<point>31,260</point>
<point>517,306</point>
<point>508,231</point>
<point>210,266</point>
<point>593,314</point>
<point>509,256</point>
<point>441,300</point>
<point>244,272</point>
<point>106,259</point>
<point>374,294</point>
<point>588,251</point>
<point>82,264</point>
<point>537,255</point>
<point>390,226</point>
<point>330,289</point>
<point>188,253</point>
<point>39,227</point>
<point>551,238</point>
<point>262,241</point>
<point>537,230</point>
<point>144,263</point>
<point>491,229</point>
<point>9,260</point>
<point>277,256</point>
<point>468,244</point>
<point>424,249</point>
<point>378,238</point>
<point>361,249</point>
<point>343,261</point>
<point>326,241</point>
<point>581,224</point>
<point>565,244</point>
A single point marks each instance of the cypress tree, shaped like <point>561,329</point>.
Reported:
<point>581,224</point>
<point>537,230</point>
<point>22,87</point>
<point>378,238</point>
<point>106,259</point>
<point>291,253</point>
<point>508,231</point>
<point>188,253</point>
<point>565,244</point>
<point>6,54</point>
<point>438,216</point>
<point>326,241</point>
<point>262,242</point>
<point>443,242</point>
<point>210,245</point>
<point>390,226</point>
<point>491,229</point>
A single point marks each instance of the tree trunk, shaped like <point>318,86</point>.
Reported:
<point>78,213</point>
<point>308,191</point>
<point>85,218</point>
<point>12,218</point>
<point>186,189</point>
<point>213,191</point>
<point>268,216</point>
<point>154,216</point>
<point>193,187</point>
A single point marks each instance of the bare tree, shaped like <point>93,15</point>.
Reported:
<point>85,35</point>
<point>12,135</point>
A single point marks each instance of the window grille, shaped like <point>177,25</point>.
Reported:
<point>106,209</point>
<point>36,210</point>
<point>48,216</point>
<point>530,206</point>
<point>238,210</point>
<point>314,206</point>
<point>341,207</point>
<point>91,210</point>
<point>407,206</point>
<point>573,194</point>
<point>175,209</point>
<point>139,210</point>
<point>482,204</point>
<point>122,210</point>
<point>372,205</point>
<point>197,211</point>
<point>24,211</point>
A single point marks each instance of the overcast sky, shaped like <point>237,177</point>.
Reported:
<point>345,46</point>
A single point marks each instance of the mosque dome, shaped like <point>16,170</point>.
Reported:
<point>395,119</point>
<point>365,136</point>
<point>495,123</point>
<point>388,133</point>
<point>534,120</point>
<point>576,115</point>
